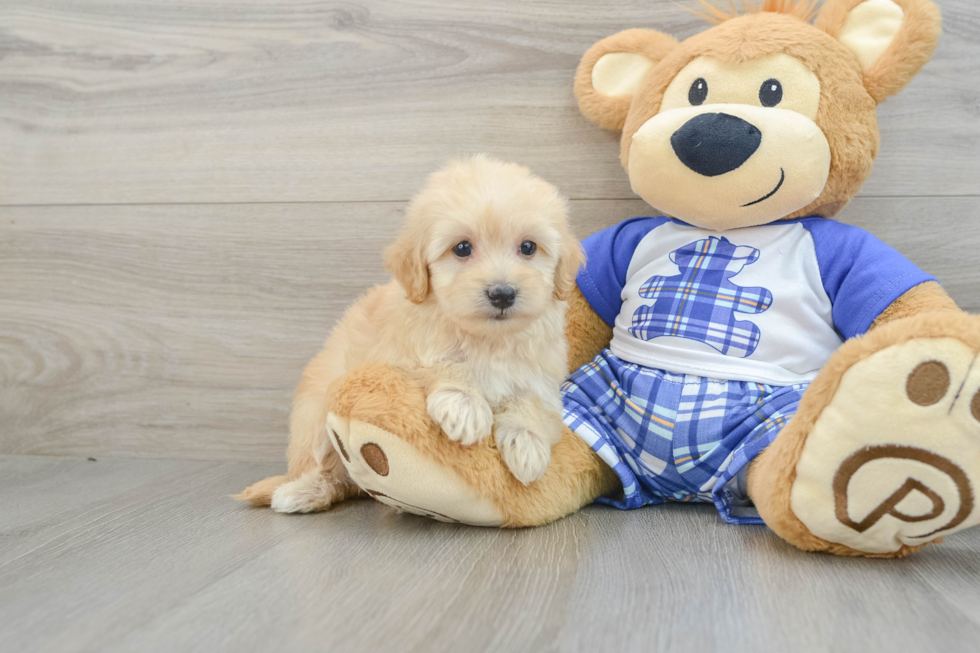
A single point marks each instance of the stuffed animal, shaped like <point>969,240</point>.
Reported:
<point>748,350</point>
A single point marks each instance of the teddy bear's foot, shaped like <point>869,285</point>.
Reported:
<point>393,450</point>
<point>894,459</point>
<point>389,469</point>
<point>884,455</point>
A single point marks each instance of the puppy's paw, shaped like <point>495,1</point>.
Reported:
<point>525,453</point>
<point>464,417</point>
<point>309,493</point>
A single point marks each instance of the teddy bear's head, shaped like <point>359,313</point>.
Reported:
<point>762,117</point>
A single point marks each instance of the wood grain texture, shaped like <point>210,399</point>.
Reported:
<point>180,331</point>
<point>130,555</point>
<point>116,101</point>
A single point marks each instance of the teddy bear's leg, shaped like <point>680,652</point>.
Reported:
<point>883,456</point>
<point>395,453</point>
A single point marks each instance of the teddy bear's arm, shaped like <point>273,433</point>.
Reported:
<point>586,332</point>
<point>924,298</point>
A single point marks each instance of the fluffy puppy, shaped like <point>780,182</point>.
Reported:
<point>475,314</point>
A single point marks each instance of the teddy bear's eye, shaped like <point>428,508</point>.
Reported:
<point>699,92</point>
<point>771,93</point>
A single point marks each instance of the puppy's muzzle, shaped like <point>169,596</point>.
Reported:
<point>501,297</point>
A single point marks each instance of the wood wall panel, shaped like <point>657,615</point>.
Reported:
<point>122,101</point>
<point>180,331</point>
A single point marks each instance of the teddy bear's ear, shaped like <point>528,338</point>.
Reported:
<point>892,39</point>
<point>612,70</point>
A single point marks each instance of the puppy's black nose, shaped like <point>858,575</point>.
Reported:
<point>712,144</point>
<point>502,296</point>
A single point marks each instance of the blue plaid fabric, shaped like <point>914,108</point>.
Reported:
<point>675,437</point>
<point>700,303</point>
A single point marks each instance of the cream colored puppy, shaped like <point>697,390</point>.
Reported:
<point>475,314</point>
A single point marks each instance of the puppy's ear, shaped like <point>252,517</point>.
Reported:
<point>406,260</point>
<point>892,39</point>
<point>612,70</point>
<point>570,259</point>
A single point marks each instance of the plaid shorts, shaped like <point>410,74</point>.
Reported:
<point>676,437</point>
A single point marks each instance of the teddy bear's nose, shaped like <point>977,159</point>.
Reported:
<point>712,144</point>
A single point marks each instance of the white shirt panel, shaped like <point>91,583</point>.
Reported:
<point>796,333</point>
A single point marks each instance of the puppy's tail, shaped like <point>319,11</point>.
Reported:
<point>260,494</point>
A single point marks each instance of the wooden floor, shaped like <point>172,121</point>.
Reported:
<point>190,194</point>
<point>150,555</point>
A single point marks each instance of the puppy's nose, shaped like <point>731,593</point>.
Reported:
<point>712,144</point>
<point>502,296</point>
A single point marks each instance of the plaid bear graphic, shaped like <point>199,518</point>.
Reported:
<point>700,303</point>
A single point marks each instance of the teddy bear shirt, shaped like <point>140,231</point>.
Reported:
<point>766,304</point>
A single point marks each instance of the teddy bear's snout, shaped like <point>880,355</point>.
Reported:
<point>712,144</point>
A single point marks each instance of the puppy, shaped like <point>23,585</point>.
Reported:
<point>475,315</point>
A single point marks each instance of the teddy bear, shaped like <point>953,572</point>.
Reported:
<point>743,349</point>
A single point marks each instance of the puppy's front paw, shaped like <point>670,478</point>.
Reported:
<point>464,417</point>
<point>526,453</point>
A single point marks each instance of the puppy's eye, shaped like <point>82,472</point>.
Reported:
<point>771,93</point>
<point>528,248</point>
<point>698,93</point>
<point>463,249</point>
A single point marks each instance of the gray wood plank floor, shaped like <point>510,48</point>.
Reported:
<point>140,555</point>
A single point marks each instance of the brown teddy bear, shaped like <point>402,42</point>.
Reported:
<point>748,350</point>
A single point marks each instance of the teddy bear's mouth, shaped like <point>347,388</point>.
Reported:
<point>782,178</point>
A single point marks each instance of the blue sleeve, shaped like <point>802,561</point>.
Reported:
<point>861,274</point>
<point>608,254</point>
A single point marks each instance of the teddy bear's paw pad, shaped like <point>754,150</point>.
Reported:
<point>525,453</point>
<point>396,473</point>
<point>894,459</point>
